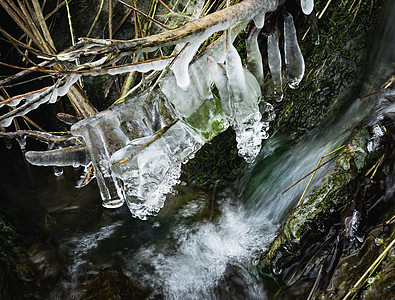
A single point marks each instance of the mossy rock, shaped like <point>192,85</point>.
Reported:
<point>309,221</point>
<point>334,68</point>
<point>111,283</point>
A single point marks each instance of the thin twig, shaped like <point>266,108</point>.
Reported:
<point>96,18</point>
<point>358,285</point>
<point>145,15</point>
<point>312,176</point>
<point>110,4</point>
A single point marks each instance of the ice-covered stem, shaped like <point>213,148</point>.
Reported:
<point>103,137</point>
<point>44,137</point>
<point>217,21</point>
<point>71,156</point>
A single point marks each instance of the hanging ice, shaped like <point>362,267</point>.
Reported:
<point>270,5</point>
<point>254,57</point>
<point>103,136</point>
<point>244,95</point>
<point>31,101</point>
<point>274,59</point>
<point>307,6</point>
<point>294,61</point>
<point>149,167</point>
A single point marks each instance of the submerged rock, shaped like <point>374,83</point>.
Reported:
<point>111,283</point>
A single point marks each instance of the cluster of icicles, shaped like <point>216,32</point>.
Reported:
<point>135,149</point>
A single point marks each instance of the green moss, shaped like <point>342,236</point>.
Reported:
<point>216,161</point>
<point>323,203</point>
<point>334,68</point>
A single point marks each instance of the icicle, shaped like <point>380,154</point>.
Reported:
<point>103,136</point>
<point>86,177</point>
<point>218,75</point>
<point>245,94</point>
<point>254,57</point>
<point>274,58</point>
<point>294,61</point>
<point>71,156</point>
<point>307,6</point>
<point>259,19</point>
<point>188,101</point>
<point>181,65</point>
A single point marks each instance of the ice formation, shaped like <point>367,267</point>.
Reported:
<point>307,6</point>
<point>31,101</point>
<point>150,170</point>
<point>135,149</point>
<point>71,156</point>
<point>274,59</point>
<point>244,95</point>
<point>254,57</point>
<point>110,131</point>
<point>294,61</point>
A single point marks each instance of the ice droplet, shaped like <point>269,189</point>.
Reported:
<point>307,6</point>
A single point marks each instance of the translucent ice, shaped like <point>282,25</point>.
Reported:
<point>31,101</point>
<point>274,59</point>
<point>218,76</point>
<point>111,130</point>
<point>103,136</point>
<point>48,138</point>
<point>244,94</point>
<point>71,156</point>
<point>294,61</point>
<point>259,19</point>
<point>149,167</point>
<point>268,6</point>
<point>307,6</point>
<point>254,57</point>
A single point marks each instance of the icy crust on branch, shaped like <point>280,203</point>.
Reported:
<point>294,60</point>
<point>244,95</point>
<point>149,167</point>
<point>50,94</point>
<point>50,139</point>
<point>33,100</point>
<point>63,157</point>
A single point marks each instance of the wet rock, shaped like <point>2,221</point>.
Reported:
<point>111,283</point>
<point>310,242</point>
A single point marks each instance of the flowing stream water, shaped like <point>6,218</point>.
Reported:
<point>205,242</point>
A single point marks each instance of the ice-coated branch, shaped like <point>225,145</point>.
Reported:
<point>71,156</point>
<point>217,21</point>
